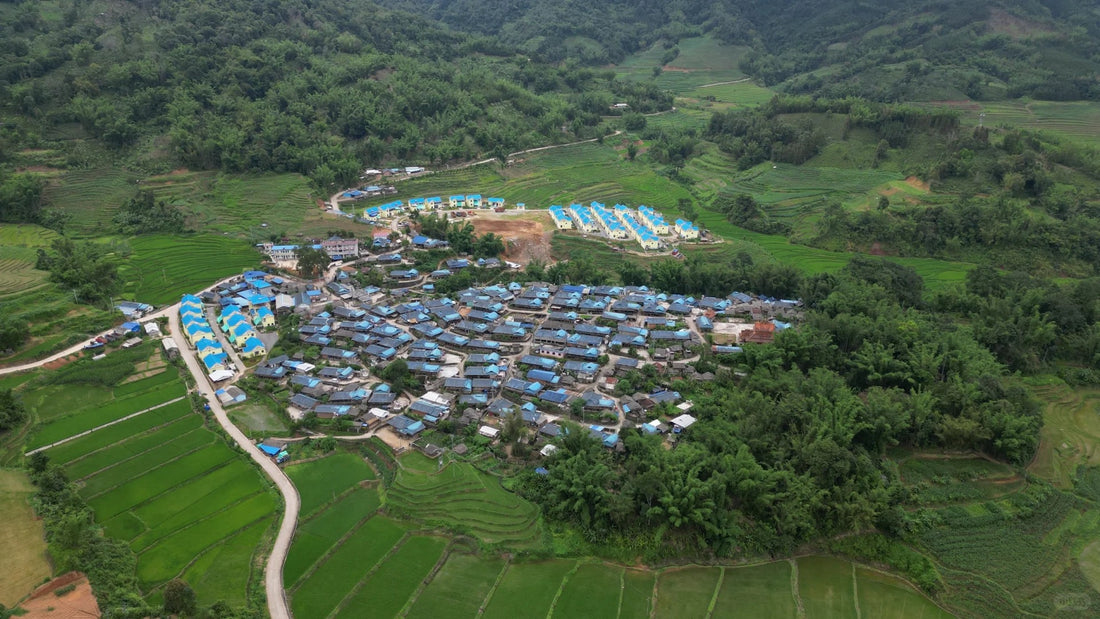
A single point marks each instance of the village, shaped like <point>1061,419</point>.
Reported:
<point>399,360</point>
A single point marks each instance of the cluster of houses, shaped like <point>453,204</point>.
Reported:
<point>337,248</point>
<point>434,203</point>
<point>643,225</point>
<point>538,350</point>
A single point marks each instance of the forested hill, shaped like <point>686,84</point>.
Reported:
<point>316,87</point>
<point>887,50</point>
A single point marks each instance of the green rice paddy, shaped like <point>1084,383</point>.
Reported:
<point>319,482</point>
<point>163,267</point>
<point>19,244</point>
<point>187,503</point>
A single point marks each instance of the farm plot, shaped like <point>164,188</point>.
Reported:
<point>319,534</point>
<point>593,590</point>
<point>386,591</point>
<point>1070,436</point>
<point>90,418</point>
<point>462,498</point>
<point>91,197</point>
<point>637,601</point>
<point>333,579</point>
<point>528,590</point>
<point>174,491</point>
<point>686,592</point>
<point>458,589</point>
<point>19,244</point>
<point>826,587</point>
<point>758,591</point>
<point>884,596</point>
<point>321,481</point>
<point>162,267</point>
<point>22,540</point>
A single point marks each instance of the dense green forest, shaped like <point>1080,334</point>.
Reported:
<point>891,50</point>
<point>324,88</point>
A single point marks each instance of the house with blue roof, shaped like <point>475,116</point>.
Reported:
<point>215,362</point>
<point>263,317</point>
<point>556,396</point>
<point>205,348</point>
<point>544,376</point>
<point>406,426</point>
<point>496,202</point>
<point>434,202</point>
<point>474,201</point>
<point>457,201</point>
<point>304,381</point>
<point>253,347</point>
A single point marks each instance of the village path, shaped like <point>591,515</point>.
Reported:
<point>277,605</point>
<point>743,79</point>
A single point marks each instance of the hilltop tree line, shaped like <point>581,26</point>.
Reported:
<point>893,50</point>
<point>790,442</point>
<point>318,88</point>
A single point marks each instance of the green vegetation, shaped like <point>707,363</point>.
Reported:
<point>528,588</point>
<point>463,499</point>
<point>592,591</point>
<point>320,481</point>
<point>172,498</point>
<point>315,537</point>
<point>386,590</point>
<point>459,587</point>
<point>21,538</point>
<point>161,268</point>
<point>686,591</point>
<point>760,591</point>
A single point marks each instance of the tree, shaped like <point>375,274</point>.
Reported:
<point>13,333</point>
<point>83,268</point>
<point>144,214</point>
<point>311,262</point>
<point>576,407</point>
<point>631,151</point>
<point>12,412</point>
<point>514,428</point>
<point>179,598</point>
<point>489,246</point>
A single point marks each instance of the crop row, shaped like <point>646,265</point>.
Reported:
<point>124,450</point>
<point>120,431</point>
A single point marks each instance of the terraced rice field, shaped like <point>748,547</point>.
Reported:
<point>163,267</point>
<point>462,498</point>
<point>1077,121</point>
<point>19,244</point>
<point>348,560</point>
<point>701,60</point>
<point>187,504</point>
<point>91,197</point>
<point>1070,436</point>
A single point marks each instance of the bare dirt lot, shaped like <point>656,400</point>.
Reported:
<point>76,603</point>
<point>526,235</point>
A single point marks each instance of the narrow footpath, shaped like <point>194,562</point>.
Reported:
<point>106,425</point>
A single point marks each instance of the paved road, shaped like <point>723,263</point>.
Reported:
<point>277,605</point>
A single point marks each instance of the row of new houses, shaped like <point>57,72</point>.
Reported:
<point>644,225</point>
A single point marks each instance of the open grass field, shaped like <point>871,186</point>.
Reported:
<point>19,244</point>
<point>459,588</point>
<point>22,540</point>
<point>583,172</point>
<point>386,591</point>
<point>321,481</point>
<point>163,267</point>
<point>594,590</point>
<point>1070,436</point>
<point>462,498</point>
<point>256,419</point>
<point>528,589</point>
<point>738,93</point>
